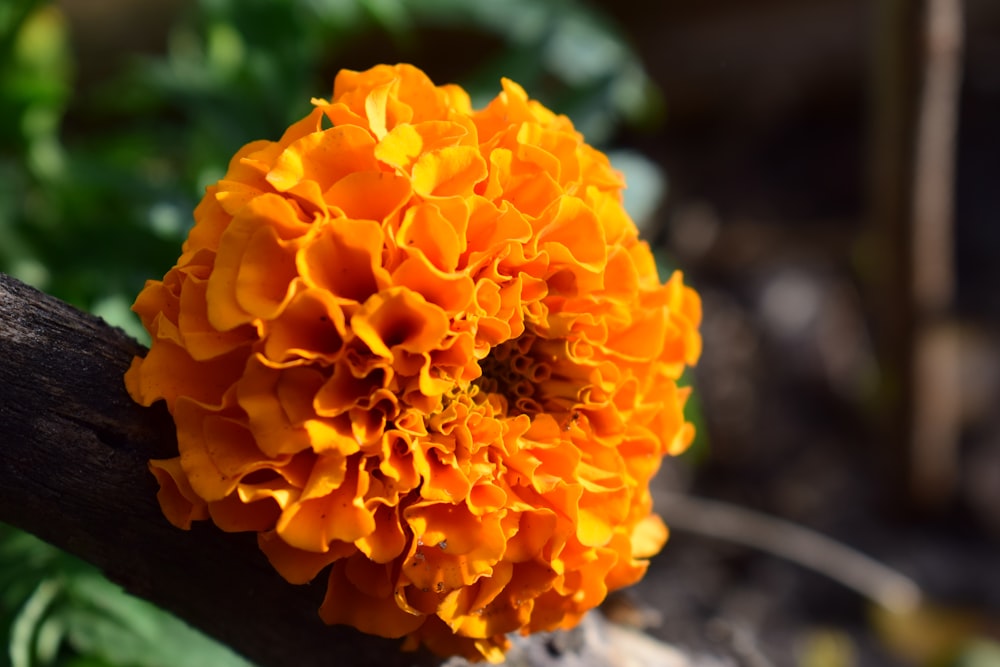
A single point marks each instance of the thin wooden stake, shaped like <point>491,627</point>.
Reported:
<point>916,86</point>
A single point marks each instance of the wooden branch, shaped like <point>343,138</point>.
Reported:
<point>73,452</point>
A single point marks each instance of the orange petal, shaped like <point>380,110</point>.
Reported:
<point>158,301</point>
<point>329,473</point>
<point>443,480</point>
<point>449,171</point>
<point>260,229</point>
<point>313,524</point>
<point>400,147</point>
<point>273,400</point>
<point>215,450</point>
<point>388,540</point>
<point>553,149</point>
<point>586,578</point>
<point>435,232</point>
<point>353,382</point>
<point>346,604</point>
<point>201,339</point>
<point>345,258</point>
<point>180,504</point>
<point>531,192</point>
<point>644,337</point>
<point>372,579</point>
<point>441,639</point>
<point>369,195</point>
<point>628,569</point>
<point>311,327</point>
<point>463,610</point>
<point>232,515</point>
<point>648,537</point>
<point>397,462</point>
<point>244,180</point>
<point>491,228</point>
<point>324,158</point>
<point>571,234</point>
<point>295,565</point>
<point>452,292</point>
<point>534,529</point>
<point>168,372</point>
<point>455,529</point>
<point>596,170</point>
<point>282,485</point>
<point>598,515</point>
<point>264,282</point>
<point>400,317</point>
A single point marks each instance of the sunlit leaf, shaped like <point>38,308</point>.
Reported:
<point>24,629</point>
<point>103,620</point>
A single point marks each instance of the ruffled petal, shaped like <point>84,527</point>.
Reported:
<point>345,603</point>
<point>180,504</point>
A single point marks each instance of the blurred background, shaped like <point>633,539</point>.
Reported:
<point>823,171</point>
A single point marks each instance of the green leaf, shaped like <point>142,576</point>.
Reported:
<point>57,606</point>
<point>102,620</point>
<point>25,627</point>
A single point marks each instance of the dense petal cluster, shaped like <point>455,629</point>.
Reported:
<point>422,344</point>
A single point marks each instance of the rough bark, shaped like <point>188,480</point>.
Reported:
<point>73,452</point>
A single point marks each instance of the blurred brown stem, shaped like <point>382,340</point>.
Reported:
<point>796,543</point>
<point>917,82</point>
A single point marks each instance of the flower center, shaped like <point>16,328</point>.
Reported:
<point>523,374</point>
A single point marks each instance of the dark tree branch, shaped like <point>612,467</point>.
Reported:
<point>73,452</point>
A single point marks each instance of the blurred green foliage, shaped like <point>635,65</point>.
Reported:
<point>979,653</point>
<point>98,179</point>
<point>60,611</point>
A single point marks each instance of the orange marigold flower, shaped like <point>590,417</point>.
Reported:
<point>422,345</point>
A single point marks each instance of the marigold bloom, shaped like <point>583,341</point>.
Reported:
<point>422,344</point>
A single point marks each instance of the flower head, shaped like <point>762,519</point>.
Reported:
<point>422,344</point>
